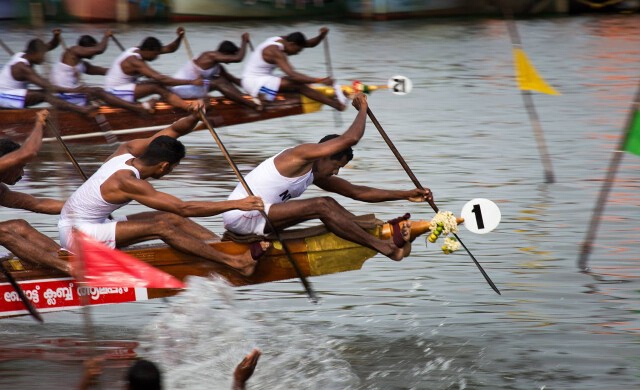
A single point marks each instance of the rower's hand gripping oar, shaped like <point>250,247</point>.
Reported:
<point>307,286</point>
<point>415,181</point>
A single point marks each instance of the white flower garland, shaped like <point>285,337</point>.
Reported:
<point>444,223</point>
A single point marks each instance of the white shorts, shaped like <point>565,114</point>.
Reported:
<point>124,92</point>
<point>13,98</point>
<point>266,85</point>
<point>246,222</point>
<point>103,232</point>
<point>79,99</point>
<point>191,91</point>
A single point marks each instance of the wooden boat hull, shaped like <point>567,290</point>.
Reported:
<point>317,254</point>
<point>124,125</point>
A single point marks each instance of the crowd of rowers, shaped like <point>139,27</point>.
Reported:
<point>122,86</point>
<point>276,183</point>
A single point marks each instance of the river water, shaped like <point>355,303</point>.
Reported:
<point>430,321</point>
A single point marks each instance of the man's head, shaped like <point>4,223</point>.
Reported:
<point>36,51</point>
<point>163,154</point>
<point>228,47</point>
<point>150,48</point>
<point>144,375</point>
<point>12,175</point>
<point>87,41</point>
<point>294,43</point>
<point>331,165</point>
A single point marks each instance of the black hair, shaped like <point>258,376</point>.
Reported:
<point>298,38</point>
<point>144,375</point>
<point>228,47</point>
<point>163,149</point>
<point>87,41</point>
<point>36,45</point>
<point>7,146</point>
<point>347,152</point>
<point>151,44</point>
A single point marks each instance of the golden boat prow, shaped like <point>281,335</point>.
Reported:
<point>316,251</point>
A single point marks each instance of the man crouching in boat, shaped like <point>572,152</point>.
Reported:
<point>208,66</point>
<point>72,64</point>
<point>123,178</point>
<point>17,235</point>
<point>121,78</point>
<point>19,72</point>
<point>288,174</point>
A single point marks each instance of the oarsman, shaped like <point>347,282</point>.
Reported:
<point>123,178</point>
<point>18,73</point>
<point>17,235</point>
<point>208,66</point>
<point>73,63</point>
<point>121,79</point>
<point>284,177</point>
<point>258,78</point>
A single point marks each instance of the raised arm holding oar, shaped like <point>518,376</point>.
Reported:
<point>121,79</point>
<point>258,78</point>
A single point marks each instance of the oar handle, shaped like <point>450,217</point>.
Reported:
<point>187,46</point>
<point>307,286</point>
<point>250,45</point>
<point>6,48</point>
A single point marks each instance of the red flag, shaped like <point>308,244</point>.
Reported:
<point>106,267</point>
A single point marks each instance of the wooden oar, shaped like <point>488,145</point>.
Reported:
<point>32,310</point>
<point>187,46</point>
<point>54,129</point>
<point>337,119</point>
<point>117,42</point>
<point>415,181</point>
<point>6,48</point>
<point>234,167</point>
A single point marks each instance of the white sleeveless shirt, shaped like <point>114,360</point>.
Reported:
<point>266,182</point>
<point>86,204</point>
<point>191,71</point>
<point>115,76</point>
<point>67,76</point>
<point>6,78</point>
<point>256,66</point>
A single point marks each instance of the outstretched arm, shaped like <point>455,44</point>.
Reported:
<point>177,129</point>
<point>275,56</point>
<point>22,71</point>
<point>125,186</point>
<point>29,148</point>
<point>139,66</point>
<point>313,42</point>
<point>22,201</point>
<point>369,194</point>
<point>173,46</point>
<point>245,369</point>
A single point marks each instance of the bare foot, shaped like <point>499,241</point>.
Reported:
<point>244,263</point>
<point>397,253</point>
<point>150,106</point>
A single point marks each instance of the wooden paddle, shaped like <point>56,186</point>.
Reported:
<point>32,310</point>
<point>117,42</point>
<point>6,48</point>
<point>54,129</point>
<point>415,181</point>
<point>337,119</point>
<point>234,167</point>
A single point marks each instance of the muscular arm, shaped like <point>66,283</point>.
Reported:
<point>295,161</point>
<point>84,52</point>
<point>134,65</point>
<point>29,148</point>
<point>19,200</point>
<point>94,69</point>
<point>173,46</point>
<point>23,72</point>
<point>177,129</point>
<point>55,40</point>
<point>313,42</point>
<point>123,186</point>
<point>363,193</point>
<point>273,55</point>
